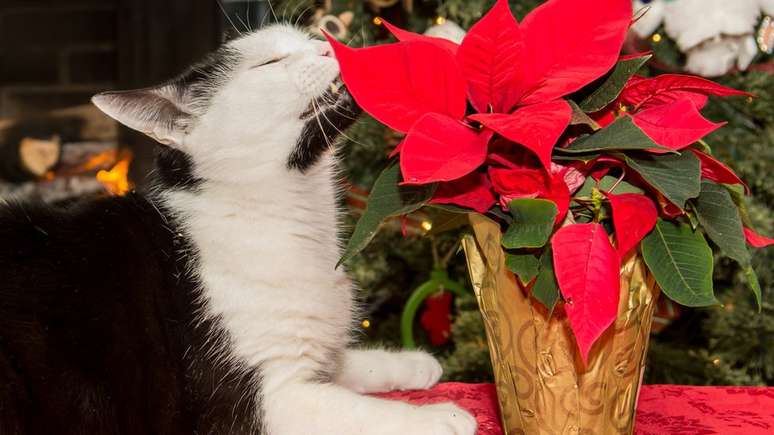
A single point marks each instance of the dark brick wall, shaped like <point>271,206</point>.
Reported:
<point>55,53</point>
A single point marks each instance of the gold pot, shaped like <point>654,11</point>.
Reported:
<point>542,384</point>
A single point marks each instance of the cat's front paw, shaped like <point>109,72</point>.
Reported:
<point>381,371</point>
<point>415,370</point>
<point>443,419</point>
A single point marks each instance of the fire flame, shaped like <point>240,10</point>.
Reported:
<point>116,179</point>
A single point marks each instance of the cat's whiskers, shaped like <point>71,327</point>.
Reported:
<point>301,15</point>
<point>225,13</point>
<point>247,28</point>
<point>271,9</point>
<point>335,108</point>
<point>317,113</point>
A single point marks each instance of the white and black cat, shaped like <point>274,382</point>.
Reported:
<point>211,306</point>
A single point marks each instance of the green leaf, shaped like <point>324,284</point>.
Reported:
<point>579,117</point>
<point>613,85</point>
<point>605,184</point>
<point>585,158</point>
<point>524,266</point>
<point>387,199</point>
<point>677,177</point>
<point>533,221</point>
<point>755,285</point>
<point>546,289</point>
<point>622,134</point>
<point>720,219</point>
<point>498,212</point>
<point>740,199</point>
<point>681,261</point>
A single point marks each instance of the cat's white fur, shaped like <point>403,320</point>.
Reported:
<point>267,242</point>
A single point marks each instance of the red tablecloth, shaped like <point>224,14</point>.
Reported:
<point>663,409</point>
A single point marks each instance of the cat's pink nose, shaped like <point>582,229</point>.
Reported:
<point>326,49</point>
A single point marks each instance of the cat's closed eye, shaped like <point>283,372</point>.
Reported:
<point>269,62</point>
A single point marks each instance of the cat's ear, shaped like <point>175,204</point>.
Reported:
<point>159,112</point>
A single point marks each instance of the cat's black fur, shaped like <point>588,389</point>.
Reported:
<point>100,326</point>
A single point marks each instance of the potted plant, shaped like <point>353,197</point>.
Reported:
<point>588,188</point>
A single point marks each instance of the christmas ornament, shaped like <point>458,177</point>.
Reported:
<point>437,294</point>
<point>721,40</point>
<point>446,29</point>
<point>766,35</point>
<point>335,25</point>
<point>436,319</point>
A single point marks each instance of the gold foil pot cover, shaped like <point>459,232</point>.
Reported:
<point>542,384</point>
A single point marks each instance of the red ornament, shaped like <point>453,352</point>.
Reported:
<point>436,319</point>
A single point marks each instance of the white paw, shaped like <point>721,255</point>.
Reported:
<point>415,371</point>
<point>443,419</point>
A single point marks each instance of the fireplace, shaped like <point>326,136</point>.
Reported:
<point>55,54</point>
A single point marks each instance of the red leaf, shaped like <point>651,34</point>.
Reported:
<point>473,191</point>
<point>587,270</point>
<point>675,125</point>
<point>568,44</point>
<point>668,88</point>
<point>439,148</point>
<point>714,170</point>
<point>606,116</point>
<point>531,183</point>
<point>756,240</point>
<point>668,209</point>
<point>536,127</point>
<point>634,216</point>
<point>490,57</point>
<point>559,193</point>
<point>518,182</point>
<point>399,83</point>
<point>398,148</point>
<point>405,35</point>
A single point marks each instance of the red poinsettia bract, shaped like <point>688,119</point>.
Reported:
<point>517,78</point>
<point>666,108</point>
<point>514,76</point>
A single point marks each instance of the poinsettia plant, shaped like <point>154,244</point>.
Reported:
<point>544,127</point>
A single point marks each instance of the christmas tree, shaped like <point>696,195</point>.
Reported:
<point>728,344</point>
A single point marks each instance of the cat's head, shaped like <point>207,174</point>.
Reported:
<point>267,100</point>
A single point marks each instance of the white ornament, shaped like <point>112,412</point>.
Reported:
<point>715,35</point>
<point>447,30</point>
<point>691,22</point>
<point>718,56</point>
<point>650,16</point>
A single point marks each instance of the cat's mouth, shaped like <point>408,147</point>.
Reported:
<point>327,116</point>
<point>335,95</point>
<point>332,111</point>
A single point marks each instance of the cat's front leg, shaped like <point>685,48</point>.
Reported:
<point>381,371</point>
<point>305,408</point>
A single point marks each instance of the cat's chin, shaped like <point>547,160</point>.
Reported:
<point>335,106</point>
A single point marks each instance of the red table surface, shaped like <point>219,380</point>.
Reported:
<point>662,410</point>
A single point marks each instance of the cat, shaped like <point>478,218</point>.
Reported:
<point>212,304</point>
